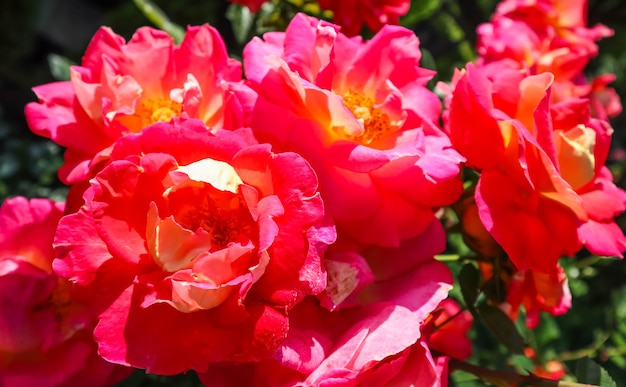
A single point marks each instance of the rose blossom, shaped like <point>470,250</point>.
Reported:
<point>534,290</point>
<point>198,254</point>
<point>365,352</point>
<point>122,87</point>
<point>582,146</point>
<point>554,19</point>
<point>46,326</point>
<point>377,342</point>
<point>253,5</point>
<point>352,14</point>
<point>503,128</point>
<point>381,298</point>
<point>360,113</point>
<point>603,101</point>
<point>538,292</point>
<point>603,201</point>
<point>448,330</point>
<point>548,35</point>
<point>573,148</point>
<point>576,143</point>
<point>369,325</point>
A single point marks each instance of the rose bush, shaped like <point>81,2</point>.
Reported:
<point>290,228</point>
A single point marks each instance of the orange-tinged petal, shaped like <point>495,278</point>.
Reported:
<point>533,90</point>
<point>188,297</point>
<point>217,173</point>
<point>575,149</point>
<point>173,247</point>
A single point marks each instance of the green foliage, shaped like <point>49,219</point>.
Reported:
<point>160,19</point>
<point>242,21</point>
<point>502,328</point>
<point>588,371</point>
<point>420,10</point>
<point>140,379</point>
<point>522,364</point>
<point>469,279</point>
<point>28,166</point>
<point>59,67</point>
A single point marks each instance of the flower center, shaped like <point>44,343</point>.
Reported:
<point>222,214</point>
<point>60,300</point>
<point>149,111</point>
<point>374,121</point>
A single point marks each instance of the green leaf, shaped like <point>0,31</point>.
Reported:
<point>464,379</point>
<point>548,330</point>
<point>420,10</point>
<point>59,67</point>
<point>619,361</point>
<point>618,338</point>
<point>428,61</point>
<point>242,20</point>
<point>469,278</point>
<point>457,245</point>
<point>495,289</point>
<point>588,371</point>
<point>502,328</point>
<point>160,19</point>
<point>522,364</point>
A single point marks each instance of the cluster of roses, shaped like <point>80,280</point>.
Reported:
<point>281,230</point>
<point>527,119</point>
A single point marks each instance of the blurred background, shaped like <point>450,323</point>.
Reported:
<point>39,39</point>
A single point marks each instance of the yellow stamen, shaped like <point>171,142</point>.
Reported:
<point>374,121</point>
<point>149,111</point>
<point>223,214</point>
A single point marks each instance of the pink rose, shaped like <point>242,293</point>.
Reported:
<point>46,325</point>
<point>544,35</point>
<point>502,125</point>
<point>253,5</point>
<point>196,255</point>
<point>538,292</point>
<point>376,344</point>
<point>448,330</point>
<point>360,113</point>
<point>375,14</point>
<point>373,336</point>
<point>122,87</point>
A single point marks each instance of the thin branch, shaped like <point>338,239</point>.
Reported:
<point>589,350</point>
